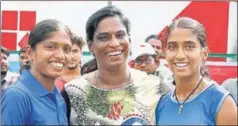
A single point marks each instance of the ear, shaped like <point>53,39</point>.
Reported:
<point>132,63</point>
<point>205,53</point>
<point>91,47</point>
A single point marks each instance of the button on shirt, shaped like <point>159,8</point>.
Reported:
<point>27,102</point>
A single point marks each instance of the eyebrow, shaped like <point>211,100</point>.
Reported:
<point>54,42</point>
<point>190,42</point>
<point>186,42</point>
<point>172,42</point>
<point>106,33</point>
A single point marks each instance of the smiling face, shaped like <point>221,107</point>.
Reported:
<point>184,53</point>
<point>50,56</point>
<point>110,43</point>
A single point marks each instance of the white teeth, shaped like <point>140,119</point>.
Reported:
<point>57,65</point>
<point>114,53</point>
<point>181,64</point>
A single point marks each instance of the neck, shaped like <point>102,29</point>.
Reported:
<point>184,86</point>
<point>113,79</point>
<point>70,74</point>
<point>46,82</point>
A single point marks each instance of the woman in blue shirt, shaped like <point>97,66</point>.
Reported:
<point>196,100</point>
<point>34,99</point>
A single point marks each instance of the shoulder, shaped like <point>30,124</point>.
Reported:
<point>76,85</point>
<point>164,99</point>
<point>216,89</point>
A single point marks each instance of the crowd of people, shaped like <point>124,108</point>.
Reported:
<point>54,88</point>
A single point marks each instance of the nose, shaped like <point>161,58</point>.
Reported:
<point>60,54</point>
<point>180,54</point>
<point>143,65</point>
<point>114,42</point>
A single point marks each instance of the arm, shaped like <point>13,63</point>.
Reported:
<point>14,107</point>
<point>227,115</point>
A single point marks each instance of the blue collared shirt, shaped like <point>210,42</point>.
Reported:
<point>27,102</point>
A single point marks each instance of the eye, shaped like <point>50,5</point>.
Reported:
<point>103,37</point>
<point>121,35</point>
<point>51,46</point>
<point>157,47</point>
<point>75,50</point>
<point>189,47</point>
<point>171,47</point>
<point>67,49</point>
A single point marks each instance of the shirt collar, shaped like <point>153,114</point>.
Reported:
<point>34,85</point>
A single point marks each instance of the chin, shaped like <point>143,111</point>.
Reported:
<point>116,64</point>
<point>55,74</point>
<point>72,67</point>
<point>182,75</point>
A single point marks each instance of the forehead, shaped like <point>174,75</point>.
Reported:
<point>155,42</point>
<point>144,56</point>
<point>110,25</point>
<point>59,37</point>
<point>180,35</point>
<point>75,46</point>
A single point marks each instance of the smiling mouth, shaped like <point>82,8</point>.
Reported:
<point>116,53</point>
<point>57,65</point>
<point>181,65</point>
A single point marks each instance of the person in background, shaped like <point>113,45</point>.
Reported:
<point>114,94</point>
<point>73,67</point>
<point>231,86</point>
<point>7,77</point>
<point>24,59</point>
<point>144,58</point>
<point>195,100</point>
<point>34,98</point>
<point>157,45</point>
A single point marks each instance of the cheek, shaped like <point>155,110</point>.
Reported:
<point>126,45</point>
<point>68,57</point>
<point>170,56</point>
<point>98,48</point>
<point>78,56</point>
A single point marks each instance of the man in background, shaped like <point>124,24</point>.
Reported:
<point>23,59</point>
<point>7,77</point>
<point>145,59</point>
<point>73,68</point>
<point>157,45</point>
